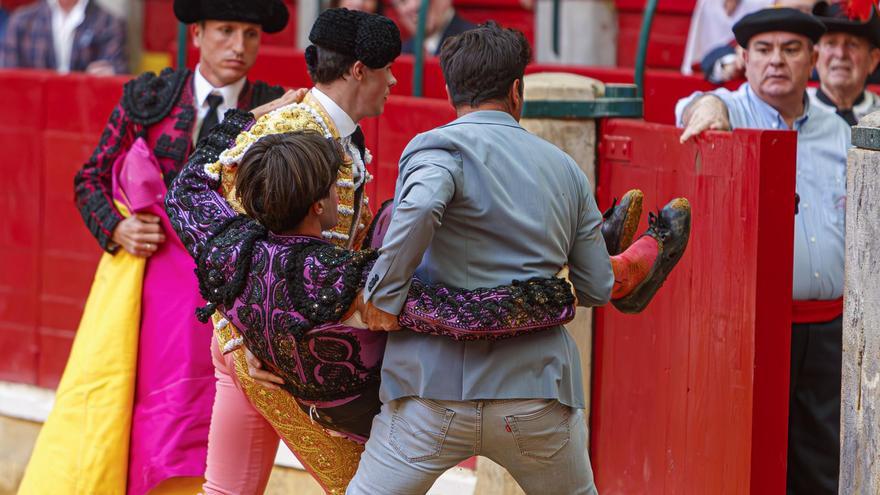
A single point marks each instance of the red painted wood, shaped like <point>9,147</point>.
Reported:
<point>668,37</point>
<point>21,118</point>
<point>663,6</point>
<point>511,16</point>
<point>80,103</point>
<point>691,396</point>
<point>403,118</point>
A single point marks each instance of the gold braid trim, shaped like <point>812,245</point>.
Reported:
<point>332,461</point>
<point>308,115</point>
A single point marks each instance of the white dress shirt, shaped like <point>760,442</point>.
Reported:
<point>64,26</point>
<point>343,122</point>
<point>203,89</point>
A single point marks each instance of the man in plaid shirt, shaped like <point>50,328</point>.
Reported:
<point>65,35</point>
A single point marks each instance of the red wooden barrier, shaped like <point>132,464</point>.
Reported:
<point>691,396</point>
<point>669,32</point>
<point>50,125</point>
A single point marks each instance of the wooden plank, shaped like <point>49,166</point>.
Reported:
<point>860,395</point>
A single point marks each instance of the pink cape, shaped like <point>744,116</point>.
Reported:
<point>175,387</point>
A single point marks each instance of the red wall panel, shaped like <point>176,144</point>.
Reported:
<point>668,37</point>
<point>691,396</point>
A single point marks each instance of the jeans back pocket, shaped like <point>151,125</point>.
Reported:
<point>419,428</point>
<point>543,433</point>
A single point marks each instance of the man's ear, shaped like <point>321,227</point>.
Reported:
<point>875,59</point>
<point>195,32</point>
<point>517,90</point>
<point>515,94</point>
<point>318,207</point>
<point>814,57</point>
<point>358,70</point>
<point>449,96</point>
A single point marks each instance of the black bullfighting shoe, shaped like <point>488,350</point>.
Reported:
<point>621,221</point>
<point>671,228</point>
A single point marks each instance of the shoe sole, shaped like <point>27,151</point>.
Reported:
<point>644,293</point>
<point>631,219</point>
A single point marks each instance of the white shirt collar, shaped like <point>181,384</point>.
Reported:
<point>64,26</point>
<point>230,92</point>
<point>344,124</point>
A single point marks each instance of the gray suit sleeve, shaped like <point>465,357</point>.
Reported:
<point>588,262</point>
<point>424,190</point>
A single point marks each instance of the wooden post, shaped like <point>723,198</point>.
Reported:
<point>577,137</point>
<point>860,393</point>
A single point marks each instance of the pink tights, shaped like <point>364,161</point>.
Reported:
<point>241,443</point>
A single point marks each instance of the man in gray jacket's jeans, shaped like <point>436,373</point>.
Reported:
<point>481,202</point>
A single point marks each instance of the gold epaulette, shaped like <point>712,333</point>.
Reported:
<point>307,115</point>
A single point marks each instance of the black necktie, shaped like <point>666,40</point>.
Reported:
<point>211,118</point>
<point>357,137</point>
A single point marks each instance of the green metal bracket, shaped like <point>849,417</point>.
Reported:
<point>866,137</point>
<point>620,100</point>
<point>419,50</point>
<point>181,45</point>
<point>644,37</point>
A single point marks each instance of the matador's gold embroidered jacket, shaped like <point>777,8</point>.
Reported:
<point>354,211</point>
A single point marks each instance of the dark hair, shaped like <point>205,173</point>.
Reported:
<point>480,65</point>
<point>326,65</point>
<point>282,175</point>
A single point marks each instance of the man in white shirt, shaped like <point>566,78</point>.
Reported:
<point>67,36</point>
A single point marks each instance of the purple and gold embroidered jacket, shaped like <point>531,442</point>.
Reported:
<point>160,109</point>
<point>288,294</point>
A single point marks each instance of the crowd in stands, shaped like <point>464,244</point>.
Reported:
<point>80,35</point>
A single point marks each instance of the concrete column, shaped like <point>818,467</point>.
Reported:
<point>306,13</point>
<point>587,32</point>
<point>578,139</point>
<point>860,393</point>
<point>133,13</point>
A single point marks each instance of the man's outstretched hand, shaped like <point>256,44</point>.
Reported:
<point>374,318</point>
<point>706,113</point>
<point>291,96</point>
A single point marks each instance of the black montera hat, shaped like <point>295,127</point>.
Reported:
<point>777,19</point>
<point>835,19</point>
<point>271,15</point>
<point>372,39</point>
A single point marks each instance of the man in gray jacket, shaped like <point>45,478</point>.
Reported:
<point>481,202</point>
